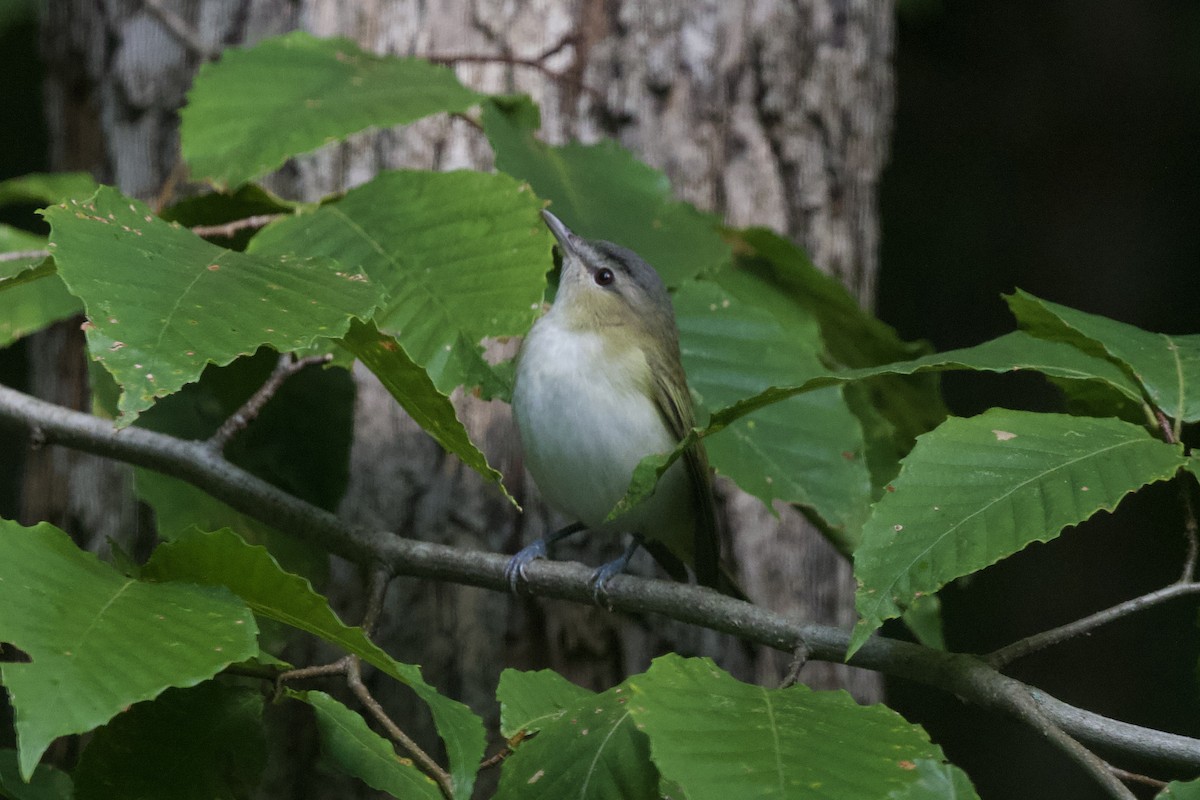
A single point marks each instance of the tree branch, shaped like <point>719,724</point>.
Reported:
<point>1038,641</point>
<point>966,676</point>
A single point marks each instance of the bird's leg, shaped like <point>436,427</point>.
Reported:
<point>514,572</point>
<point>605,573</point>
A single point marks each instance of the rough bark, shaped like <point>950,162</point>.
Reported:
<point>765,111</point>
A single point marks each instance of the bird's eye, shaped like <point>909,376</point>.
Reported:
<point>604,276</point>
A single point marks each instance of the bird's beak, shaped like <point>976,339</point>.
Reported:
<point>567,240</point>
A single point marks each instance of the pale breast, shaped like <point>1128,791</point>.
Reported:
<point>585,419</point>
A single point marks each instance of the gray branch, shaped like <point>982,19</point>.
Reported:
<point>968,677</point>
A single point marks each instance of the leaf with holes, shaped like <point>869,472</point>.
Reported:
<point>99,641</point>
<point>530,700</point>
<point>259,105</point>
<point>591,751</point>
<point>163,303</point>
<point>974,491</point>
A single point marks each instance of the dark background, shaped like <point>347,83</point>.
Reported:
<point>1055,147</point>
<point>1044,144</point>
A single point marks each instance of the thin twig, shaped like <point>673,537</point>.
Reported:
<point>226,230</point>
<point>799,659</point>
<point>250,409</point>
<point>1098,768</point>
<point>1038,641</point>
<point>427,764</point>
<point>515,61</point>
<point>17,255</point>
<point>1134,777</point>
<point>182,31</point>
<point>338,667</point>
<point>1190,531</point>
<point>377,586</point>
<point>167,190</point>
<point>498,757</point>
<point>967,677</point>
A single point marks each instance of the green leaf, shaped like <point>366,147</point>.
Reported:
<point>47,188</point>
<point>530,700</point>
<point>100,641</point>
<point>203,743</point>
<point>415,392</point>
<point>356,750</point>
<point>1167,366</point>
<point>48,783</point>
<point>258,106</point>
<point>15,240</point>
<point>466,259</point>
<point>251,573</point>
<point>808,450</point>
<point>852,337</point>
<point>31,295</point>
<point>924,618</point>
<point>720,738</point>
<point>1180,790</point>
<point>593,750</point>
<point>1009,353</point>
<point>180,509</point>
<point>936,781</point>
<point>163,303</point>
<point>974,491</point>
<point>602,191</point>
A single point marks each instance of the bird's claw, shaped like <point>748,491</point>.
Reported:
<point>514,571</point>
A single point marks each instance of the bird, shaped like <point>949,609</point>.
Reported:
<point>599,386</point>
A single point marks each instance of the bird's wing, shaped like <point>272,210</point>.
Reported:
<point>676,407</point>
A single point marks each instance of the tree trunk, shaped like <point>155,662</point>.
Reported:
<point>767,112</point>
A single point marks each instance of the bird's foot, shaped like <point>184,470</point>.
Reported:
<point>514,571</point>
<point>598,582</point>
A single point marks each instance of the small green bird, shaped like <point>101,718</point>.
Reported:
<point>599,386</point>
